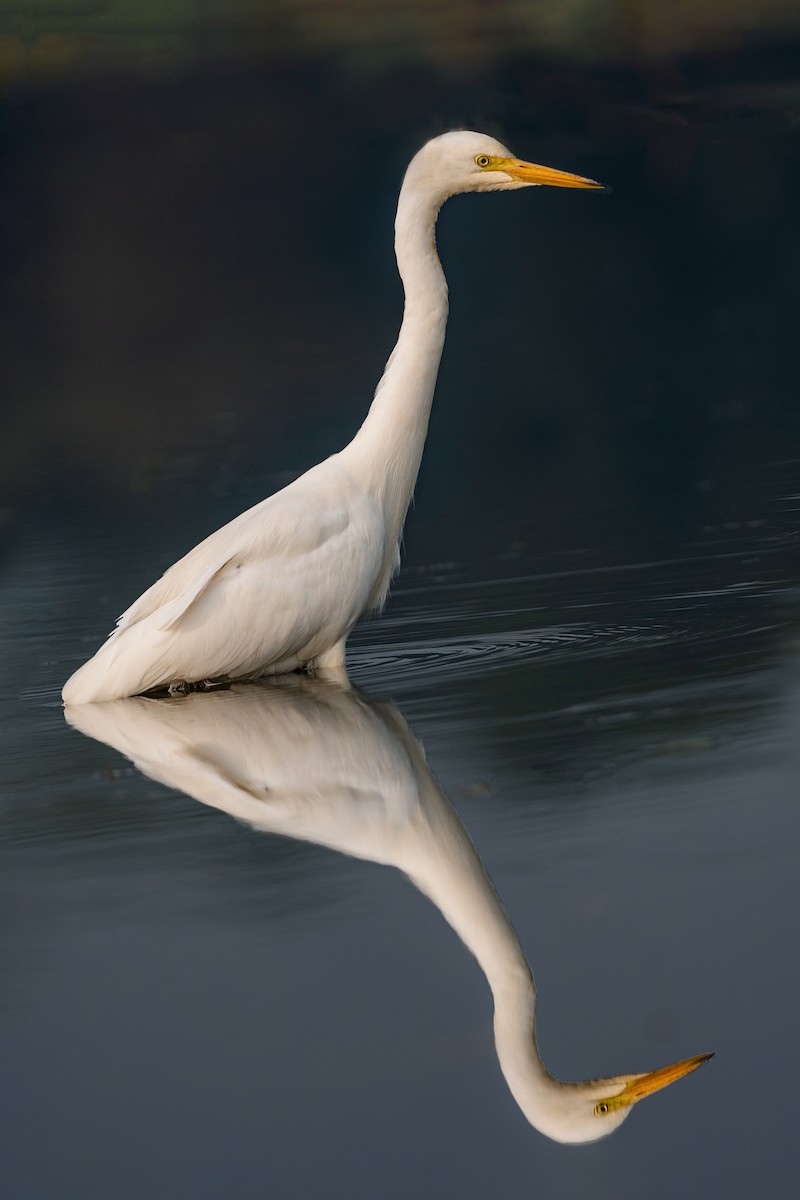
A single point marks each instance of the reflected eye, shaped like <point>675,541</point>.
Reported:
<point>600,1109</point>
<point>482,160</point>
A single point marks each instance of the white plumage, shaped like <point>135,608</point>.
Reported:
<point>281,586</point>
<point>310,759</point>
<point>278,587</point>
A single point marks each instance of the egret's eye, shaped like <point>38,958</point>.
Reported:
<point>601,1109</point>
<point>482,160</point>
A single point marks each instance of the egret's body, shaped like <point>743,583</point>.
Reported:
<point>281,586</point>
<point>309,759</point>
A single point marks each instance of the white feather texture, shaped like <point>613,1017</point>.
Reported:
<point>311,759</point>
<point>281,586</point>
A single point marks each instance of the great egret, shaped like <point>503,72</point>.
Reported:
<point>281,586</point>
<point>310,759</point>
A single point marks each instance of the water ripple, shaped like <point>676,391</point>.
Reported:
<point>474,654</point>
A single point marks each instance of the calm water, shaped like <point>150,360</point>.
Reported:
<point>194,1008</point>
<point>595,639</point>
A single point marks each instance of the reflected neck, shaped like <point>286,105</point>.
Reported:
<point>455,880</point>
<point>461,889</point>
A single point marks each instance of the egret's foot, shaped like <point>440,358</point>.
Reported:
<point>184,688</point>
<point>331,660</point>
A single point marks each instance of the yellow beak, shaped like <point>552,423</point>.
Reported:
<point>644,1085</point>
<point>525,172</point>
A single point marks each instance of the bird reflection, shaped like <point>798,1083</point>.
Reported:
<point>312,759</point>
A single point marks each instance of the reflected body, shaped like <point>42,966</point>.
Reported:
<point>311,759</point>
<point>281,586</point>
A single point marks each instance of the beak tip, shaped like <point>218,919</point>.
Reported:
<point>653,1081</point>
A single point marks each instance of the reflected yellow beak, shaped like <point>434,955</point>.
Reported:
<point>525,172</point>
<point>644,1085</point>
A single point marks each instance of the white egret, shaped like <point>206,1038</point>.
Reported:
<point>311,759</point>
<point>281,586</point>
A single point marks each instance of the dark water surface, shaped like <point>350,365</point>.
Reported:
<point>192,1008</point>
<point>595,638</point>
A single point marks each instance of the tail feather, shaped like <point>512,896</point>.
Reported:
<point>121,667</point>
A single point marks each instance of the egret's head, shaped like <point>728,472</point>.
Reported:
<point>586,1112</point>
<point>463,161</point>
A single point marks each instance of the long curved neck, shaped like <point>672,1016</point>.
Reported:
<point>386,452</point>
<point>454,878</point>
<point>439,858</point>
<point>457,883</point>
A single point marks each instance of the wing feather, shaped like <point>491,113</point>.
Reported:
<point>277,587</point>
<point>287,524</point>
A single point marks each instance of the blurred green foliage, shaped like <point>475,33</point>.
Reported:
<point>72,37</point>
